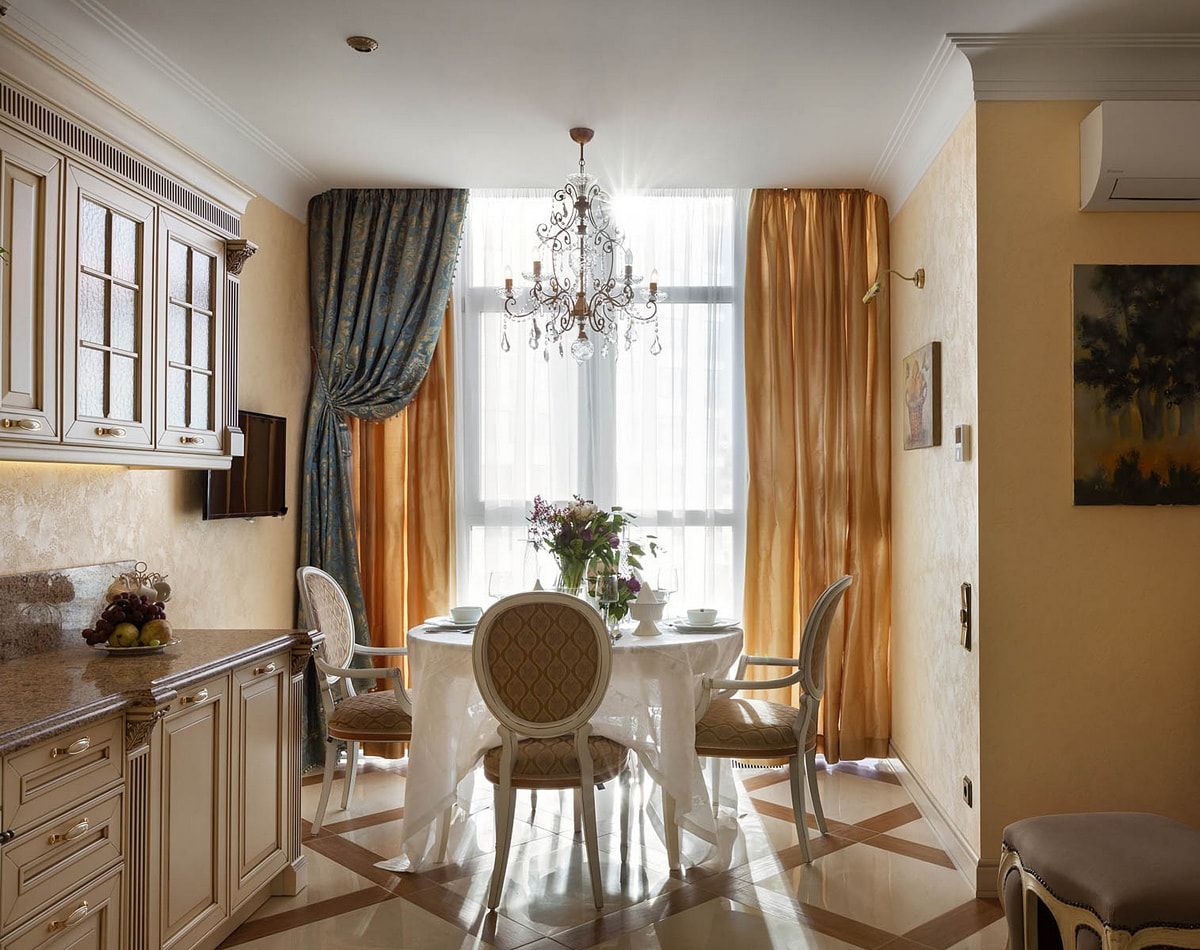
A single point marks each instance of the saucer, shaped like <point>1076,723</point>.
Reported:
<point>450,624</point>
<point>683,625</point>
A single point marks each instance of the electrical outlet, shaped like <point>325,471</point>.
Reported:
<point>968,795</point>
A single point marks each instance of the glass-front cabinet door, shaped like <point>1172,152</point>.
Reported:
<point>30,186</point>
<point>107,326</point>
<point>190,328</point>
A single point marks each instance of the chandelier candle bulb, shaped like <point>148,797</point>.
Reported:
<point>508,279</point>
<point>653,282</point>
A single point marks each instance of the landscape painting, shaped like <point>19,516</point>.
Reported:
<point>923,397</point>
<point>1137,384</point>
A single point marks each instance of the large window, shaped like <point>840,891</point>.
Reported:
<point>662,436</point>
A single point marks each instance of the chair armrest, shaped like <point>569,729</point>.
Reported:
<point>732,686</point>
<point>380,651</point>
<point>354,672</point>
<point>773,661</point>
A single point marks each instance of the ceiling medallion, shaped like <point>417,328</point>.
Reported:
<point>583,290</point>
<point>362,44</point>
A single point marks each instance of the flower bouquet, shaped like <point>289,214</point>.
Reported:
<point>586,541</point>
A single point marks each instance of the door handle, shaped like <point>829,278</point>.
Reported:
<point>112,431</point>
<point>29,425</point>
<point>196,698</point>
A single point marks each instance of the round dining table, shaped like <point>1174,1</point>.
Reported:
<point>650,707</point>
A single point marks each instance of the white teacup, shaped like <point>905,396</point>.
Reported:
<point>466,614</point>
<point>702,616</point>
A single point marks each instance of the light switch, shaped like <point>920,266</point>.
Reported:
<point>962,443</point>
<point>964,615</point>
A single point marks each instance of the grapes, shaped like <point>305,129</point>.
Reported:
<point>125,607</point>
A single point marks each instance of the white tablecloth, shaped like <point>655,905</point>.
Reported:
<point>650,707</point>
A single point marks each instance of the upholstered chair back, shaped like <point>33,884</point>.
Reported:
<point>328,610</point>
<point>816,637</point>
<point>542,662</point>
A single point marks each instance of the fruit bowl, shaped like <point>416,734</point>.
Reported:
<point>134,651</point>
<point>131,623</point>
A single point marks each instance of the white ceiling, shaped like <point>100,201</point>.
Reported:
<point>481,92</point>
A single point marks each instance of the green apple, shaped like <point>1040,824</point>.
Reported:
<point>155,630</point>
<point>126,634</point>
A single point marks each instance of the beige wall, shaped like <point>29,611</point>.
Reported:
<point>935,682</point>
<point>1090,658</point>
<point>223,573</point>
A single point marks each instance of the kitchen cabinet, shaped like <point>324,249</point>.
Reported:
<point>30,196</point>
<point>108,316</point>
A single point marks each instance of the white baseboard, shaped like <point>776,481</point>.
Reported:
<point>980,875</point>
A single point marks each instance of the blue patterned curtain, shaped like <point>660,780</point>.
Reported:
<point>380,264</point>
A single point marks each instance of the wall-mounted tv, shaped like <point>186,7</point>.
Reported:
<point>255,485</point>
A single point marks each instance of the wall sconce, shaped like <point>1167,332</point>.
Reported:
<point>918,279</point>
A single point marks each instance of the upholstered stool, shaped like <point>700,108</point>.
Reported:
<point>1106,881</point>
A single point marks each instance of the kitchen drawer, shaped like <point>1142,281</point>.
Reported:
<point>87,920</point>
<point>41,865</point>
<point>47,779</point>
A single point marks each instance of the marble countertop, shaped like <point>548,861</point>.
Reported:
<point>45,693</point>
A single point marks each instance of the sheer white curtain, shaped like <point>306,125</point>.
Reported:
<point>662,436</point>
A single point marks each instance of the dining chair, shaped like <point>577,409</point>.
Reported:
<point>731,728</point>
<point>350,716</point>
<point>542,662</point>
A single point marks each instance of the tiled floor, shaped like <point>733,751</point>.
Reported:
<point>881,879</point>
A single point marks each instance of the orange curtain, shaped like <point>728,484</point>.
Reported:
<point>819,442</point>
<point>404,502</point>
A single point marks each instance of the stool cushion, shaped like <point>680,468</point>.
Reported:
<point>1131,870</point>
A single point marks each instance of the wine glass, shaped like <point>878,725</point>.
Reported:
<point>608,592</point>
<point>499,584</point>
<point>531,566</point>
<point>668,581</point>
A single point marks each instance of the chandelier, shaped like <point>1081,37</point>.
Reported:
<point>582,291</point>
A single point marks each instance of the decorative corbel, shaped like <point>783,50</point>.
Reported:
<point>137,730</point>
<point>237,253</point>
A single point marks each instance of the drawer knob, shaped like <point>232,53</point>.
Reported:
<point>72,833</point>
<point>190,439</point>
<point>113,431</point>
<point>262,670</point>
<point>73,918</point>
<point>195,698</point>
<point>76,747</point>
<point>29,425</point>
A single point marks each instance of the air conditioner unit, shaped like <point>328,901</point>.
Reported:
<point>1140,156</point>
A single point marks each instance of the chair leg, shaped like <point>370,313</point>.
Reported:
<point>351,774</point>
<point>444,834</point>
<point>331,750</point>
<point>714,768</point>
<point>671,829</point>
<point>794,767</point>
<point>577,802</point>
<point>810,766</point>
<point>626,785</point>
<point>591,841</point>
<point>504,805</point>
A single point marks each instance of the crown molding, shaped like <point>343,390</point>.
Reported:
<point>92,85</point>
<point>47,78</point>
<point>193,86</point>
<point>1082,65</point>
<point>1027,66</point>
<point>942,97</point>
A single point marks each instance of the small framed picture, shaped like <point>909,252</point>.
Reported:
<point>922,422</point>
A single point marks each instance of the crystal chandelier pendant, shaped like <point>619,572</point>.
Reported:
<point>582,278</point>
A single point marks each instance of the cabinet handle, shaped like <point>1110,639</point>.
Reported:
<point>261,670</point>
<point>190,439</point>
<point>72,833</point>
<point>79,745</point>
<point>75,917</point>
<point>114,431</point>
<point>197,698</point>
<point>29,425</point>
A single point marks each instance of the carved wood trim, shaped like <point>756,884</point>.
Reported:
<point>137,731</point>
<point>236,255</point>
